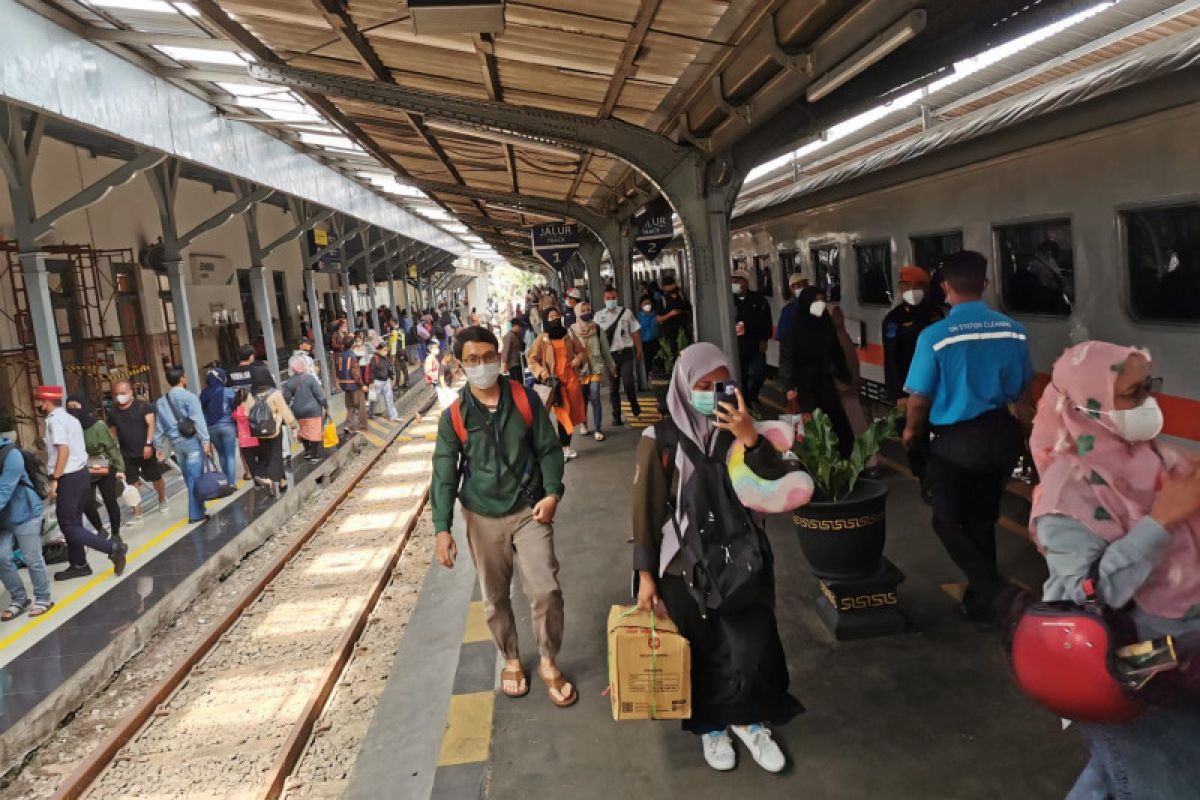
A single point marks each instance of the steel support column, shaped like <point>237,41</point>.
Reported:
<point>591,251</point>
<point>262,307</point>
<point>314,315</point>
<point>369,265</point>
<point>348,295</point>
<point>183,323</point>
<point>41,313</point>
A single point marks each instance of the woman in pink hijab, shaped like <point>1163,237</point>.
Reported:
<point>1115,499</point>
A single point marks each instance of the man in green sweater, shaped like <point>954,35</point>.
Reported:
<point>499,454</point>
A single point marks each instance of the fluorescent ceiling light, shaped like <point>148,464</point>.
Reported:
<point>299,116</point>
<point>327,140</point>
<point>456,227</point>
<point>434,213</point>
<point>153,6</point>
<point>197,55</point>
<point>875,50</point>
<point>285,104</point>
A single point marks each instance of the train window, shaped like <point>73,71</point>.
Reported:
<point>827,271</point>
<point>789,263</point>
<point>1163,250</point>
<point>928,251</point>
<point>874,273</point>
<point>1037,267</point>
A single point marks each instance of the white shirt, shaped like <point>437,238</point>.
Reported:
<point>628,326</point>
<point>62,428</point>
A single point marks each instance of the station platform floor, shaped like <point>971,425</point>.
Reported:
<point>38,654</point>
<point>931,713</point>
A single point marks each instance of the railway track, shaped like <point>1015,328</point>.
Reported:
<point>234,715</point>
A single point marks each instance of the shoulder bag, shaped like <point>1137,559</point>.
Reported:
<point>185,425</point>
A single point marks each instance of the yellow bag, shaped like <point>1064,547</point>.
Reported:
<point>331,437</point>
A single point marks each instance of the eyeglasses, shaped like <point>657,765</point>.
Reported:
<point>488,359</point>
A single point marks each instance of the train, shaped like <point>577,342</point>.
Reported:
<point>1110,219</point>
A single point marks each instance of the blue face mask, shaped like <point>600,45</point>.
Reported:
<point>704,402</point>
<point>611,305</point>
<point>587,317</point>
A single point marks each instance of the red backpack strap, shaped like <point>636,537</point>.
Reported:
<point>521,400</point>
<point>456,421</point>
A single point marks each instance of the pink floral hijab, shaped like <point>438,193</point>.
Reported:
<point>1092,475</point>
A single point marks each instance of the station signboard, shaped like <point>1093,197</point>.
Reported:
<point>555,243</point>
<point>655,229</point>
<point>318,239</point>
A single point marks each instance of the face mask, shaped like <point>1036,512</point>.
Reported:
<point>587,317</point>
<point>484,376</point>
<point>817,308</point>
<point>647,308</point>
<point>914,296</point>
<point>737,288</point>
<point>796,293</point>
<point>554,325</point>
<point>1139,424</point>
<point>704,402</point>
<point>611,305</point>
<point>123,399</point>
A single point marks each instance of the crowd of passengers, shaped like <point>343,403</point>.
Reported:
<point>92,460</point>
<point>1116,504</point>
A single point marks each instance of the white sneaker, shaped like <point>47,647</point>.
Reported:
<point>762,747</point>
<point>718,751</point>
<point>163,508</point>
<point>568,453</point>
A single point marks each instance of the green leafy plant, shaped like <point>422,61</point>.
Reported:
<point>834,477</point>
<point>664,359</point>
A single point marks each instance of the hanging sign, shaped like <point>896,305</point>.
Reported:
<point>654,229</point>
<point>319,239</point>
<point>555,243</point>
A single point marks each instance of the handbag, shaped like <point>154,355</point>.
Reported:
<point>185,426</point>
<point>330,434</point>
<point>98,465</point>
<point>212,483</point>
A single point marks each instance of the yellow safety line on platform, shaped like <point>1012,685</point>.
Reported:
<point>95,581</point>
<point>477,629</point>
<point>468,735</point>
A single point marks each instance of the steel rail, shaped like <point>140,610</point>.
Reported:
<point>78,782</point>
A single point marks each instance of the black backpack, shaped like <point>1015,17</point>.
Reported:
<point>261,419</point>
<point>727,560</point>
<point>35,470</point>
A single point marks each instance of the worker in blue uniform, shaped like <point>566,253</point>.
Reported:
<point>969,386</point>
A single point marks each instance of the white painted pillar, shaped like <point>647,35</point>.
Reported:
<point>314,314</point>
<point>262,307</point>
<point>183,323</point>
<point>41,312</point>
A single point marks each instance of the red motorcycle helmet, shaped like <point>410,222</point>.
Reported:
<point>1063,658</point>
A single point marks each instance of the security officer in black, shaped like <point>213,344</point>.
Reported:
<point>969,385</point>
<point>752,315</point>
<point>901,327</point>
<point>676,315</point>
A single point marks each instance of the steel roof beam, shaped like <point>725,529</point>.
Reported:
<point>653,154</point>
<point>43,225</point>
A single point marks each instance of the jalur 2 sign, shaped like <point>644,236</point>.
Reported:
<point>555,243</point>
<point>654,229</point>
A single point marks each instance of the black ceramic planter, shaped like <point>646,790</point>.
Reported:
<point>845,539</point>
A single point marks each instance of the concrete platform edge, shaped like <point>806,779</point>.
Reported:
<point>39,724</point>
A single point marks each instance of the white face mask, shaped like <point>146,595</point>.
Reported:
<point>647,308</point>
<point>483,376</point>
<point>796,292</point>
<point>1139,424</point>
<point>737,288</point>
<point>123,399</point>
<point>817,308</point>
<point>914,296</point>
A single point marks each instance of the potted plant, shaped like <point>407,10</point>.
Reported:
<point>842,531</point>
<point>662,364</point>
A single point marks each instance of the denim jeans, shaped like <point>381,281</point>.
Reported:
<point>28,537</point>
<point>224,441</point>
<point>384,390</point>
<point>190,456</point>
<point>1154,756</point>
<point>593,398</point>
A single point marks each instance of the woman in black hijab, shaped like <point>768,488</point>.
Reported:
<point>811,363</point>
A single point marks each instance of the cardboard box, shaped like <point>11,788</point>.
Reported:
<point>649,666</point>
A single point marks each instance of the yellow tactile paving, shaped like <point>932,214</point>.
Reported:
<point>477,629</point>
<point>468,735</point>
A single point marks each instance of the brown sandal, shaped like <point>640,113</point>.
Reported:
<point>516,676</point>
<point>556,685</point>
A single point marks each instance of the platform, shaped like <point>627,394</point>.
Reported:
<point>50,663</point>
<point>930,713</point>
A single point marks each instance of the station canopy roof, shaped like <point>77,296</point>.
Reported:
<point>765,76</point>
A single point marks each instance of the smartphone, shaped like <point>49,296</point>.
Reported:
<point>726,390</point>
